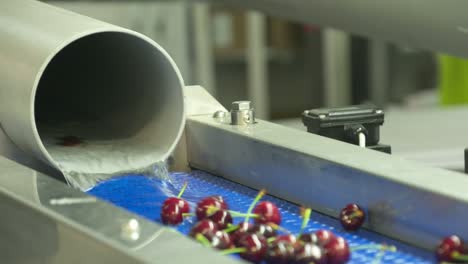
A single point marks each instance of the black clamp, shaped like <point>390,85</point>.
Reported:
<point>359,125</point>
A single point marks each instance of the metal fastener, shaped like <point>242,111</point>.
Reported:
<point>242,113</point>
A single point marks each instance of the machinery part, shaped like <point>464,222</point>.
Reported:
<point>242,113</point>
<point>406,200</point>
<point>45,221</point>
<point>359,125</point>
<point>63,74</point>
<point>418,23</point>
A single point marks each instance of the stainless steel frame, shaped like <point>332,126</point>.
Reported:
<point>405,200</point>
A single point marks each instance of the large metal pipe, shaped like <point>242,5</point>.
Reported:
<point>438,25</point>
<point>63,74</point>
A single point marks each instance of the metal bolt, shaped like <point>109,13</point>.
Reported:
<point>241,105</point>
<point>219,114</point>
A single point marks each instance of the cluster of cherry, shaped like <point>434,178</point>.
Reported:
<point>263,239</point>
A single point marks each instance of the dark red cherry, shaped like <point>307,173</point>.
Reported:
<point>171,214</point>
<point>183,205</point>
<point>352,217</point>
<point>287,238</point>
<point>203,227</point>
<point>221,218</point>
<point>309,238</point>
<point>255,247</point>
<point>280,252</point>
<point>267,212</point>
<point>210,204</point>
<point>337,251</point>
<point>265,230</point>
<point>446,248</point>
<point>219,240</point>
<point>70,141</point>
<point>324,236</point>
<point>307,253</point>
<point>243,229</point>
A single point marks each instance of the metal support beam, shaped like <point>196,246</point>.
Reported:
<point>405,200</point>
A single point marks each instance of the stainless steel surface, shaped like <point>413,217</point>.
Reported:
<point>438,25</point>
<point>44,221</point>
<point>242,113</point>
<point>58,67</point>
<point>407,201</point>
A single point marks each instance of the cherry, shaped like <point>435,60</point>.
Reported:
<point>352,217</point>
<point>280,252</point>
<point>219,240</point>
<point>171,214</point>
<point>203,227</point>
<point>337,251</point>
<point>183,205</point>
<point>70,141</point>
<point>287,238</point>
<point>309,238</point>
<point>267,212</point>
<point>221,218</point>
<point>310,253</point>
<point>209,205</point>
<point>447,247</point>
<point>265,230</point>
<point>255,247</point>
<point>324,236</point>
<point>243,229</point>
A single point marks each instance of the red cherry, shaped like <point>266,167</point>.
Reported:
<point>243,229</point>
<point>267,212</point>
<point>352,217</point>
<point>447,247</point>
<point>203,227</point>
<point>324,236</point>
<point>287,238</point>
<point>309,238</point>
<point>337,251</point>
<point>219,240</point>
<point>171,214</point>
<point>310,253</point>
<point>255,247</point>
<point>280,252</point>
<point>183,205</point>
<point>221,218</point>
<point>265,230</point>
<point>210,203</point>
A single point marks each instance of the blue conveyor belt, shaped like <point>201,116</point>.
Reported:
<point>144,196</point>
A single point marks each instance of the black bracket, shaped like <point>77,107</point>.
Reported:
<point>347,123</point>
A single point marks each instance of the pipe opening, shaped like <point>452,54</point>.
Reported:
<point>117,97</point>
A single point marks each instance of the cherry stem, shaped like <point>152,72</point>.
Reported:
<point>188,214</point>
<point>252,205</point>
<point>305,220</point>
<point>456,255</point>
<point>277,227</point>
<point>233,251</point>
<point>203,240</point>
<point>375,246</point>
<point>182,190</point>
<point>231,228</point>
<point>271,239</point>
<point>358,213</point>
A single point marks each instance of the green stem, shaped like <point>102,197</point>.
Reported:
<point>305,220</point>
<point>233,251</point>
<point>188,214</point>
<point>358,213</point>
<point>231,228</point>
<point>271,239</point>
<point>182,190</point>
<point>456,255</point>
<point>252,205</point>
<point>277,227</point>
<point>203,240</point>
